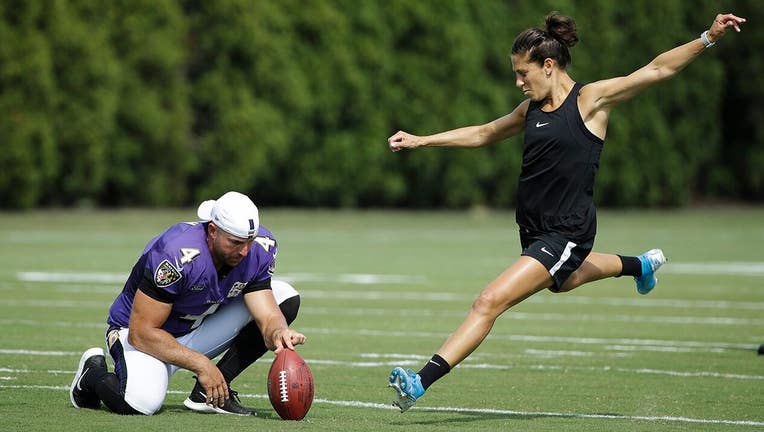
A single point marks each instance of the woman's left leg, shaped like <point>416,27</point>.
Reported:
<point>599,266</point>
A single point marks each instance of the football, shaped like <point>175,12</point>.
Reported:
<point>290,385</point>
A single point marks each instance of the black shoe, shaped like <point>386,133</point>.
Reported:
<point>80,397</point>
<point>197,401</point>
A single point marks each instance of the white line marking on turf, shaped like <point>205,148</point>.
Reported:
<point>611,344</point>
<point>57,303</point>
<point>409,359</point>
<point>116,278</point>
<point>509,413</point>
<point>38,353</point>
<point>412,360</point>
<point>753,268</point>
<point>615,344</point>
<point>521,316</point>
<point>716,268</point>
<point>647,302</point>
<point>452,297</point>
<point>591,416</point>
<point>540,339</point>
<point>33,323</point>
<point>119,278</point>
<point>351,278</point>
<point>539,316</point>
<point>339,311</point>
<point>566,353</point>
<point>386,295</point>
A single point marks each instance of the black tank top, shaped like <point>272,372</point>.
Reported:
<point>560,160</point>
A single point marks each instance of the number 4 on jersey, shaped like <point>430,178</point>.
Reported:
<point>266,242</point>
<point>188,255</point>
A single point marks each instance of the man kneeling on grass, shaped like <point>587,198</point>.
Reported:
<point>197,290</point>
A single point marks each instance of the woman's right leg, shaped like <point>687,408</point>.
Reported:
<point>521,280</point>
<point>524,278</point>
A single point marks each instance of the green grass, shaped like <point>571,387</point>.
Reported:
<point>601,358</point>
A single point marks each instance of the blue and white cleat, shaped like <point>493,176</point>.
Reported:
<point>651,261</point>
<point>408,388</point>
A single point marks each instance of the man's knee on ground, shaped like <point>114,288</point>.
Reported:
<point>108,390</point>
<point>146,403</point>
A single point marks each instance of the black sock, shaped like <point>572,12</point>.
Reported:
<point>249,345</point>
<point>632,266</point>
<point>434,370</point>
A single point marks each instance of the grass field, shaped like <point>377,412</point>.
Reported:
<point>386,288</point>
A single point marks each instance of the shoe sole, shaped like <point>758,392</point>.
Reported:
<point>644,290</point>
<point>202,407</point>
<point>85,356</point>
<point>399,394</point>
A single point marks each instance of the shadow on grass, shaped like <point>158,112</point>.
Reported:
<point>466,416</point>
<point>180,408</point>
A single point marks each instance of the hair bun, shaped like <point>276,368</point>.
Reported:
<point>562,28</point>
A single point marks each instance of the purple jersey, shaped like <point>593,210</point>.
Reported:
<point>177,268</point>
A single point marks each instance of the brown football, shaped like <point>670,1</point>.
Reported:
<point>290,385</point>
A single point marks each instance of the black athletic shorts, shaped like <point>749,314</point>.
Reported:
<point>559,255</point>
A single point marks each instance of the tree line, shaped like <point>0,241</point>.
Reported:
<point>163,103</point>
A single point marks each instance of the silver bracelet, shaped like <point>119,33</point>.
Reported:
<point>706,42</point>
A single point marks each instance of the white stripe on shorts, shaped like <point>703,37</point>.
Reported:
<point>563,258</point>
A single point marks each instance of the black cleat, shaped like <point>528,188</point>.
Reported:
<point>197,401</point>
<point>85,398</point>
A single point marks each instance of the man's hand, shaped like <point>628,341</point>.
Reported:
<point>215,387</point>
<point>286,338</point>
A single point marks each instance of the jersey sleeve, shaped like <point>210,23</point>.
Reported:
<point>253,286</point>
<point>266,249</point>
<point>149,287</point>
<point>163,276</point>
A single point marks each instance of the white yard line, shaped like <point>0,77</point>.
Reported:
<point>542,339</point>
<point>410,296</point>
<point>119,278</point>
<point>392,359</point>
<point>73,282</point>
<point>538,316</point>
<point>752,268</point>
<point>612,344</point>
<point>493,411</point>
<point>715,268</point>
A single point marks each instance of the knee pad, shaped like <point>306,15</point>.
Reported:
<point>287,298</point>
<point>290,307</point>
<point>282,291</point>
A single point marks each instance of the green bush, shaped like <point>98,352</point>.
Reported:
<point>169,102</point>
